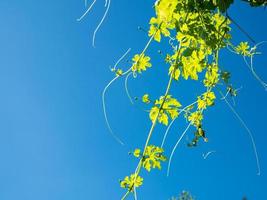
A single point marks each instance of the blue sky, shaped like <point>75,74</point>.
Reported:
<point>54,143</point>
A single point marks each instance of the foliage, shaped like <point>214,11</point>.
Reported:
<point>164,108</point>
<point>131,182</point>
<point>140,63</point>
<point>197,31</point>
<point>243,49</point>
<point>151,158</point>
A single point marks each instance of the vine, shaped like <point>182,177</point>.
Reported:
<point>197,31</point>
<point>201,29</point>
<point>107,6</point>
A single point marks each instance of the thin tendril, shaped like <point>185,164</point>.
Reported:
<point>233,99</point>
<point>121,58</point>
<point>250,66</point>
<point>135,194</point>
<point>103,18</point>
<point>166,132</point>
<point>87,11</point>
<point>248,131</point>
<point>126,88</point>
<point>126,79</point>
<point>207,154</point>
<point>105,89</point>
<point>231,50</point>
<point>105,113</point>
<point>173,150</point>
<point>260,43</point>
<point>228,91</point>
<point>104,106</point>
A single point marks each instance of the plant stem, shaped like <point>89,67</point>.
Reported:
<point>138,168</point>
<point>126,194</point>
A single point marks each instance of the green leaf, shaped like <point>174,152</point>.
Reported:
<point>153,157</point>
<point>140,63</point>
<point>146,99</point>
<point>164,108</point>
<point>137,153</point>
<point>243,49</point>
<point>129,182</point>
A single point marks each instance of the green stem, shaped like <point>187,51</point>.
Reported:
<point>126,194</point>
<point>138,168</point>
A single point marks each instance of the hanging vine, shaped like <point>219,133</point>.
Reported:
<point>197,31</point>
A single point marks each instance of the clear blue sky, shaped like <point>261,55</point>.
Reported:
<point>54,144</point>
